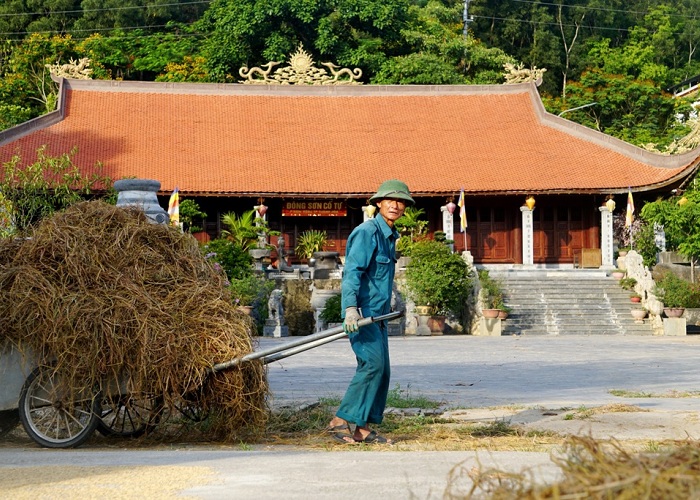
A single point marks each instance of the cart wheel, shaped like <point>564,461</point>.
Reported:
<point>8,421</point>
<point>190,406</point>
<point>129,416</point>
<point>48,415</point>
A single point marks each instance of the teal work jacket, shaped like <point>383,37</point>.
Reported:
<point>368,274</point>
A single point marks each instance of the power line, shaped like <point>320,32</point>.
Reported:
<point>601,9</point>
<point>82,11</point>
<point>90,30</point>
<point>543,23</point>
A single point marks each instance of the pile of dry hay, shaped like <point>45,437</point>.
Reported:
<point>106,295</point>
<point>595,469</point>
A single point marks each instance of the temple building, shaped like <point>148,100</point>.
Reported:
<point>314,154</point>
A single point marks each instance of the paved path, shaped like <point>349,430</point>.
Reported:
<point>465,372</point>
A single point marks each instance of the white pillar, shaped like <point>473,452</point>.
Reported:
<point>606,237</point>
<point>448,226</point>
<point>528,237</point>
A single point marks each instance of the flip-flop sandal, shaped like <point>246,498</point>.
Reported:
<point>345,439</point>
<point>339,428</point>
<point>374,438</point>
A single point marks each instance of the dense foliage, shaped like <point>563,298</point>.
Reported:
<point>438,278</point>
<point>680,217</point>
<point>48,185</point>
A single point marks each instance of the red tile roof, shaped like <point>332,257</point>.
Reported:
<point>312,140</point>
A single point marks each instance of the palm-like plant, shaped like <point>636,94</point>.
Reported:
<point>309,242</point>
<point>241,230</point>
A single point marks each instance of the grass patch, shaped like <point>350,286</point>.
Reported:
<point>402,398</point>
<point>622,393</point>
<point>498,428</point>
<point>305,427</point>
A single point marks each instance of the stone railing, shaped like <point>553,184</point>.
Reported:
<point>634,264</point>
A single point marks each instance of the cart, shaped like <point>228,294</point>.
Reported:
<point>55,417</point>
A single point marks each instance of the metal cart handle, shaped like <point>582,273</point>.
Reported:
<point>303,344</point>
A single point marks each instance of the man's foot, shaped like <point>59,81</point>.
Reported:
<point>369,437</point>
<point>338,425</point>
<point>345,439</point>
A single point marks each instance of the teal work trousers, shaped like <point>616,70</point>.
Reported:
<point>365,398</point>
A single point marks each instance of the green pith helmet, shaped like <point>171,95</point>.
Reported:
<point>393,189</point>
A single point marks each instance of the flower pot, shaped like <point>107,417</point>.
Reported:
<point>638,314</point>
<point>636,300</point>
<point>674,312</point>
<point>436,324</point>
<point>618,275</point>
<point>246,310</point>
<point>502,314</point>
<point>490,313</point>
<point>423,310</point>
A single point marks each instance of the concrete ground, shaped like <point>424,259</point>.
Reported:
<point>539,382</point>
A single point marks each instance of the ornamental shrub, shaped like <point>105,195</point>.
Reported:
<point>438,278</point>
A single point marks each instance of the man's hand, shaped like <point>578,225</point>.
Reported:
<point>352,316</point>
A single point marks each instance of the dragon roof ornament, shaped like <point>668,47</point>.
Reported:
<point>300,71</point>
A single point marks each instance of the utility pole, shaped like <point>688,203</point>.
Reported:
<point>466,19</point>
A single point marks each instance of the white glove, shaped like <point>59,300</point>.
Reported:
<point>352,316</point>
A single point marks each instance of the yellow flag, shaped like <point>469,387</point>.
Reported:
<point>629,219</point>
<point>174,208</point>
<point>462,212</point>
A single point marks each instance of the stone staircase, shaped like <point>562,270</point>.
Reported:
<point>567,302</point>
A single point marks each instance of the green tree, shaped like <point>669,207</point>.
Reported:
<point>49,184</point>
<point>360,33</point>
<point>19,17</point>
<point>680,217</point>
<point>439,52</point>
<point>191,216</point>
<point>636,111</point>
<point>150,15</point>
<point>27,81</point>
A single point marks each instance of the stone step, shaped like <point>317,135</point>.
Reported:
<point>567,302</point>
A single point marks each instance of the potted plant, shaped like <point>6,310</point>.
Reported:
<point>617,274</point>
<point>437,279</point>
<point>492,296</point>
<point>249,232</point>
<point>332,312</point>
<point>411,228</point>
<point>627,282</point>
<point>677,294</point>
<point>310,242</point>
<point>639,314</point>
<point>191,216</point>
<point>248,290</point>
<point>635,298</point>
<point>503,311</point>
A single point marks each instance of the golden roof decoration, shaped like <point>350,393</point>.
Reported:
<point>73,69</point>
<point>300,71</point>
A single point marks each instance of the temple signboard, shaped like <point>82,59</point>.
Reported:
<point>314,208</point>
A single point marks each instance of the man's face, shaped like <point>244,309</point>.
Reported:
<point>391,209</point>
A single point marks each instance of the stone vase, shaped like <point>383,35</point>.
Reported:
<point>674,312</point>
<point>490,313</point>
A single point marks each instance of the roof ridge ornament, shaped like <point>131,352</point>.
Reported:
<point>300,71</point>
<point>520,74</point>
